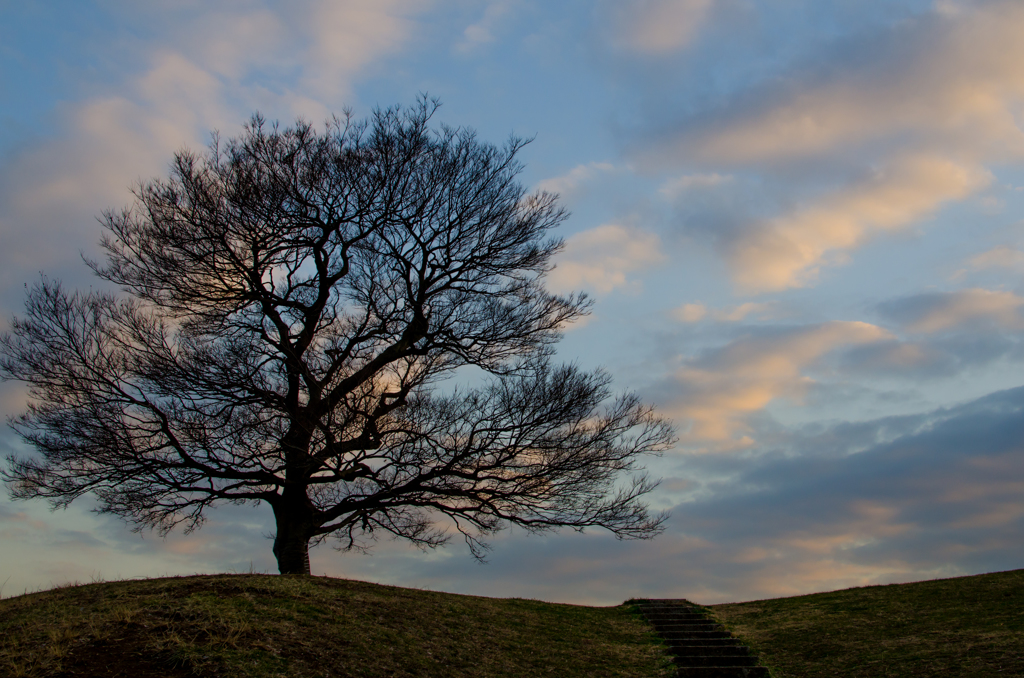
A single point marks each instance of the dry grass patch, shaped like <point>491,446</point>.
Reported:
<point>268,626</point>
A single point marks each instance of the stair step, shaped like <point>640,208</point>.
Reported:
<point>714,661</point>
<point>676,632</point>
<point>722,672</point>
<point>701,647</point>
<point>710,651</point>
<point>682,639</point>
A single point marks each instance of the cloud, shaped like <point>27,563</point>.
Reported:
<point>111,141</point>
<point>658,27</point>
<point>693,313</point>
<point>790,250</point>
<point>690,313</point>
<point>943,494</point>
<point>600,258</point>
<point>204,71</point>
<point>348,36</point>
<point>900,358</point>
<point>673,188</point>
<point>482,32</point>
<point>972,310</point>
<point>1002,256</point>
<point>55,548</point>
<point>570,184</point>
<point>870,133</point>
<point>230,41</point>
<point>715,393</point>
<point>950,80</point>
<point>896,499</point>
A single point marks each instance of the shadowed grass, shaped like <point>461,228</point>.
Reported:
<point>263,626</point>
<point>967,626</point>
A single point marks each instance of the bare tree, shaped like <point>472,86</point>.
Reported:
<point>292,301</point>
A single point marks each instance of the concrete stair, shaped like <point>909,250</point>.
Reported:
<point>700,647</point>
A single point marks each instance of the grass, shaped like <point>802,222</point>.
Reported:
<point>268,626</point>
<point>967,626</point>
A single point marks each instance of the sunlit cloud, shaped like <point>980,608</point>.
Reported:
<point>657,27</point>
<point>693,313</point>
<point>947,81</point>
<point>790,250</point>
<point>1002,256</point>
<point>899,358</point>
<point>976,310</point>
<point>232,40</point>
<point>348,36</point>
<point>926,109</point>
<point>690,313</point>
<point>602,258</point>
<point>715,393</point>
<point>197,77</point>
<point>114,141</point>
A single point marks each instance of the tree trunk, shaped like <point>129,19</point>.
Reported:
<point>294,516</point>
<point>292,551</point>
<point>294,512</point>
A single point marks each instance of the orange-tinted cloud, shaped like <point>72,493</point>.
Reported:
<point>718,391</point>
<point>601,259</point>
<point>790,250</point>
<point>973,309</point>
<point>658,27</point>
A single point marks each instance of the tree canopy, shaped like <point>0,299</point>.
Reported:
<point>295,308</point>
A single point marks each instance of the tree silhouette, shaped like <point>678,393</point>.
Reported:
<point>292,301</point>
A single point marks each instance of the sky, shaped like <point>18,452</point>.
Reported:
<point>801,223</point>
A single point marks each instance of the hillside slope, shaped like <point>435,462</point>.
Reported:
<point>967,626</point>
<point>263,626</point>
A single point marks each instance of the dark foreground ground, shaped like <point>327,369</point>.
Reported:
<point>268,626</point>
<point>968,626</point>
<point>263,626</point>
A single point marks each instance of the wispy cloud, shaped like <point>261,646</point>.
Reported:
<point>790,250</point>
<point>716,392</point>
<point>200,74</point>
<point>974,310</point>
<point>945,81</point>
<point>1002,256</point>
<point>657,27</point>
<point>347,37</point>
<point>569,185</point>
<point>696,312</point>
<point>483,31</point>
<point>677,186</point>
<point>601,258</point>
<point>925,109</point>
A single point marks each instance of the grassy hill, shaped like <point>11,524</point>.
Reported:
<point>262,626</point>
<point>967,626</point>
